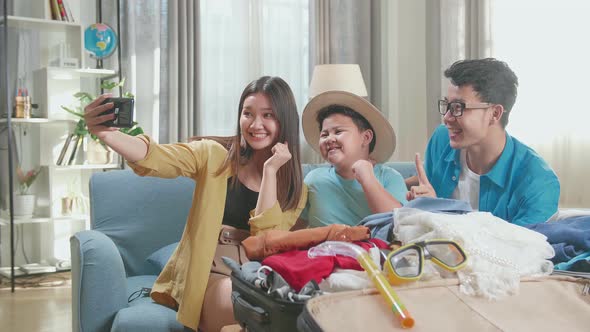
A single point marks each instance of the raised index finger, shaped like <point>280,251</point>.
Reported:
<point>420,172</point>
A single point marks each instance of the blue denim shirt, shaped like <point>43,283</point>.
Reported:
<point>520,188</point>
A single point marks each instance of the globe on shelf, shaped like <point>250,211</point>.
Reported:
<point>100,40</point>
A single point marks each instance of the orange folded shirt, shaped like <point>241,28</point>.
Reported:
<point>276,241</point>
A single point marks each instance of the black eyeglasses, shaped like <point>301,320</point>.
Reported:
<point>457,107</point>
<point>143,292</point>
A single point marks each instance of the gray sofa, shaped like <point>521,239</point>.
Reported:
<point>132,217</point>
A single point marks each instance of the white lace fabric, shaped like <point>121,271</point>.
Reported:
<point>499,253</point>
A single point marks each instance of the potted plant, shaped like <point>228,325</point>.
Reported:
<point>24,203</point>
<point>97,151</point>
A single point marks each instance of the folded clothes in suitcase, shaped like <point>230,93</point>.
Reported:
<point>256,310</point>
<point>554,303</point>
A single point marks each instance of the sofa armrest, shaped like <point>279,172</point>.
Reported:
<point>99,282</point>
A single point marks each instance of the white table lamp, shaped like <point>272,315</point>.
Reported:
<point>337,77</point>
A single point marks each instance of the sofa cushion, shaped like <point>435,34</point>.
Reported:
<point>160,257</point>
<point>143,314</point>
<point>147,317</point>
<point>135,284</point>
<point>98,281</point>
<point>139,214</point>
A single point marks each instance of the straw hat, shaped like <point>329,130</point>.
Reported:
<point>385,144</point>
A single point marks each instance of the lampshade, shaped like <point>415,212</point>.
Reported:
<point>337,77</point>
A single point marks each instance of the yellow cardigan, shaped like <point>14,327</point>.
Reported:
<point>183,281</point>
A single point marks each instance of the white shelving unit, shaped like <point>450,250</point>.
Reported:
<point>39,141</point>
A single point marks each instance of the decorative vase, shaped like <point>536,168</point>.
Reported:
<point>24,205</point>
<point>97,154</point>
<point>66,206</point>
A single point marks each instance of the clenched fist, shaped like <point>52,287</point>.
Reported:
<point>280,156</point>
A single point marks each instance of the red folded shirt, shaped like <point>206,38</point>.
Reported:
<point>297,269</point>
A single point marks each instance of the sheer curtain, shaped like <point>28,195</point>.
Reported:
<point>242,40</point>
<point>188,61</point>
<point>549,52</point>
<point>143,27</point>
<point>159,51</point>
<point>180,96</point>
<point>340,33</point>
<point>464,33</point>
<point>408,66</point>
<point>399,71</point>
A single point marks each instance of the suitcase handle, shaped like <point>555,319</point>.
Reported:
<point>240,304</point>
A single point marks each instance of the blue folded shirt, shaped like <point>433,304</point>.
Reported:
<point>569,237</point>
<point>381,224</point>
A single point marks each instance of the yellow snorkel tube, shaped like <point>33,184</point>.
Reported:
<point>333,248</point>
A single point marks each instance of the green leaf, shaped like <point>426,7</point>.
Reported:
<point>109,85</point>
<point>96,139</point>
<point>133,131</point>
<point>84,97</point>
<point>71,111</point>
<point>81,129</point>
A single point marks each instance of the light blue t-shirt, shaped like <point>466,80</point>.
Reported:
<point>332,199</point>
<point>520,188</point>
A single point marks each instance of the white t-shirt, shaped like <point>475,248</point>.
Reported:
<point>468,186</point>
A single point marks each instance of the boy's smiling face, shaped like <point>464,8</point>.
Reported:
<point>342,143</point>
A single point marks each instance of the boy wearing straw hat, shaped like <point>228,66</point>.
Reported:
<point>350,134</point>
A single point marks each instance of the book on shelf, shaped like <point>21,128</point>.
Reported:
<point>69,150</point>
<point>55,13</point>
<point>62,10</point>
<point>64,149</point>
<point>77,142</point>
<point>68,11</point>
<point>60,264</point>
<point>35,268</point>
<point>6,272</point>
<point>48,14</point>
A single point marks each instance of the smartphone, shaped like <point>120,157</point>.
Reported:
<point>123,110</point>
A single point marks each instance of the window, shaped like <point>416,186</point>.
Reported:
<point>546,43</point>
<point>241,41</point>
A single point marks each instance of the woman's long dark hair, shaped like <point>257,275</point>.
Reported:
<point>289,176</point>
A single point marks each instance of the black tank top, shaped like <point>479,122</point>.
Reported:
<point>238,204</point>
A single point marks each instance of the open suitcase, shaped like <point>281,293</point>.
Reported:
<point>256,311</point>
<point>554,303</point>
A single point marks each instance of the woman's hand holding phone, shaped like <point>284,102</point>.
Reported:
<point>130,147</point>
<point>95,119</point>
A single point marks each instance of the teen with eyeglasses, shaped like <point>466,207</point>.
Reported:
<point>472,157</point>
